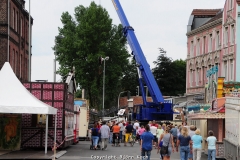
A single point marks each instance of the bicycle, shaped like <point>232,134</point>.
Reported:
<point>132,139</point>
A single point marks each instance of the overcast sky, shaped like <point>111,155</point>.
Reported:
<point>157,24</point>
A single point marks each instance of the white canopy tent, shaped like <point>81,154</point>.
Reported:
<point>15,98</point>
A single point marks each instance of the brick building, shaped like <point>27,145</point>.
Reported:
<point>17,53</point>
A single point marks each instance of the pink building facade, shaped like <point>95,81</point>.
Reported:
<point>211,43</point>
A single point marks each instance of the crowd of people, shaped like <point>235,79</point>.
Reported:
<point>165,138</point>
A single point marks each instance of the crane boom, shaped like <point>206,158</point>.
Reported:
<point>144,71</point>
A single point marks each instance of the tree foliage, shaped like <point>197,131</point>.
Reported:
<point>80,43</point>
<point>170,75</point>
<point>130,78</point>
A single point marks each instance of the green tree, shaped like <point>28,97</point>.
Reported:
<point>170,75</point>
<point>179,72</point>
<point>78,94</point>
<point>130,78</point>
<point>80,43</point>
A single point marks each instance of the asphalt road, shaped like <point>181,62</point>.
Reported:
<point>81,151</point>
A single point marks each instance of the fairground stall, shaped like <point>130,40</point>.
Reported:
<point>60,96</point>
<point>231,90</point>
<point>215,121</point>
<point>14,101</point>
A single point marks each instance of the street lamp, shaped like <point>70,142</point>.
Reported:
<point>104,59</point>
<point>57,38</point>
<point>54,68</point>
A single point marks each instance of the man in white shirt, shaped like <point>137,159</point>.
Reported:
<point>105,133</point>
<point>153,130</point>
<point>135,126</point>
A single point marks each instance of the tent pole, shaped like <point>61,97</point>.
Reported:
<point>46,134</point>
<point>55,129</point>
<point>55,136</point>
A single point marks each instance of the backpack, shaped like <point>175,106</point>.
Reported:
<point>95,132</point>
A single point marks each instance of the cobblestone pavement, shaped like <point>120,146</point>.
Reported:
<point>81,151</point>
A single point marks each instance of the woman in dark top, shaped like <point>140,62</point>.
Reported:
<point>167,140</point>
<point>95,136</point>
<point>184,140</point>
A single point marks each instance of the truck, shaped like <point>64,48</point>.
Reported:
<point>232,125</point>
<point>157,109</point>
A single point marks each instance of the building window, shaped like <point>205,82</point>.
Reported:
<point>16,23</point>
<point>231,70</point>
<point>226,37</point>
<point>191,49</point>
<point>16,62</point>
<point>21,27</point>
<point>230,4</point>
<point>198,47</point>
<point>204,43</point>
<point>210,43</point>
<point>13,60</point>
<point>225,69</point>
<point>26,68</point>
<point>191,78</point>
<point>217,40</point>
<point>13,18</point>
<point>26,28</point>
<point>232,34</point>
<point>203,74</point>
<point>20,65</point>
<point>197,76</point>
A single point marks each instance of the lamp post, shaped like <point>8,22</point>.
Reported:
<point>104,59</point>
<point>54,68</point>
<point>57,40</point>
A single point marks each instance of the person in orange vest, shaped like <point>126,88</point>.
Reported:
<point>116,136</point>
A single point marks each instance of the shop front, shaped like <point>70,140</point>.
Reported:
<point>215,120</point>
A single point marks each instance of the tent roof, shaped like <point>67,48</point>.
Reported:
<point>15,98</point>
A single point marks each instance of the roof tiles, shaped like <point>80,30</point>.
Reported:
<point>205,12</point>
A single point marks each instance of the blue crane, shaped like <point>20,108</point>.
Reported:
<point>157,110</point>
